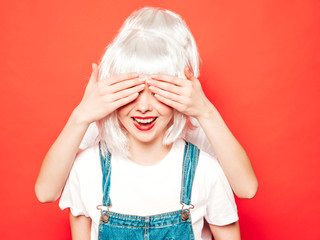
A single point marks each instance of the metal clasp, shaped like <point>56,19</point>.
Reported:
<point>104,216</point>
<point>185,214</point>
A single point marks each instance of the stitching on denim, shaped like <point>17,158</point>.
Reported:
<point>193,161</point>
<point>102,162</point>
<point>191,230</point>
<point>106,161</point>
<point>108,179</point>
<point>146,224</point>
<point>183,171</point>
<point>100,230</point>
<point>171,224</point>
<point>142,218</point>
<point>121,226</point>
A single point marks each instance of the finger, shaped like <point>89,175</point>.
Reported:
<point>123,101</point>
<point>170,79</point>
<point>166,86</point>
<point>166,94</point>
<point>127,92</point>
<point>170,103</point>
<point>94,73</point>
<point>121,77</point>
<point>189,74</point>
<point>119,86</point>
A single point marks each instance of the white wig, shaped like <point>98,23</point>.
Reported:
<point>150,41</point>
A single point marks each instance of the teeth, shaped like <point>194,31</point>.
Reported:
<point>149,120</point>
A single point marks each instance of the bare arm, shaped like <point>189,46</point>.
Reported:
<point>232,157</point>
<point>100,99</point>
<point>58,161</point>
<point>80,227</point>
<point>188,98</point>
<point>228,232</point>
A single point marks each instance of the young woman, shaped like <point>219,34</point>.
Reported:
<point>163,47</point>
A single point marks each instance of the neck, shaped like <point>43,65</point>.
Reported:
<point>148,153</point>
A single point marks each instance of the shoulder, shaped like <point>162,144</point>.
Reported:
<point>82,191</point>
<point>87,161</point>
<point>85,172</point>
<point>197,136</point>
<point>207,162</point>
<point>90,136</point>
<point>209,171</point>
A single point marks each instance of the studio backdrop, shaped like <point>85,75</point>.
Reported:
<point>260,68</point>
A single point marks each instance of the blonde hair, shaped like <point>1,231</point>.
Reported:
<point>150,41</point>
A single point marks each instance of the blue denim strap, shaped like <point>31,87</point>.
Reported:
<point>190,162</point>
<point>106,176</point>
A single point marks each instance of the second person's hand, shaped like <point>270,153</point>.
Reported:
<point>105,96</point>
<point>184,95</point>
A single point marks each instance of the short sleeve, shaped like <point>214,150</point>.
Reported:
<point>221,206</point>
<point>90,136</point>
<point>71,196</point>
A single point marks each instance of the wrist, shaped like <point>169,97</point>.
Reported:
<point>77,118</point>
<point>209,112</point>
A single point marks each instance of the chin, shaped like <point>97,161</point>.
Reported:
<point>147,138</point>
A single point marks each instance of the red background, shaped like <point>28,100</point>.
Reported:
<point>260,69</point>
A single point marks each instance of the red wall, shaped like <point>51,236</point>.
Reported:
<point>260,69</point>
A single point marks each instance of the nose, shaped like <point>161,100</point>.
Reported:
<point>144,101</point>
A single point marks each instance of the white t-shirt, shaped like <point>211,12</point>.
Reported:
<point>196,137</point>
<point>148,190</point>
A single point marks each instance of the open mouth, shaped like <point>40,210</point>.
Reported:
<point>144,123</point>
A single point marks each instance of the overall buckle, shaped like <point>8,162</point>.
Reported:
<point>185,214</point>
<point>104,216</point>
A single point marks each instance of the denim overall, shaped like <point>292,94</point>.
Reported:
<point>168,226</point>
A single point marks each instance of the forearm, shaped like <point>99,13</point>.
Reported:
<point>80,227</point>
<point>228,232</point>
<point>59,160</point>
<point>232,157</point>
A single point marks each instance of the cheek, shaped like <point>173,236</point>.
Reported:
<point>122,115</point>
<point>168,112</point>
<point>124,110</point>
<point>164,110</point>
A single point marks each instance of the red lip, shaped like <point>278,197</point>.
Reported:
<point>144,117</point>
<point>144,128</point>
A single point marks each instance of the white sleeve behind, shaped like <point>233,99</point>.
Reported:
<point>199,138</point>
<point>221,206</point>
<point>71,196</point>
<point>90,136</point>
